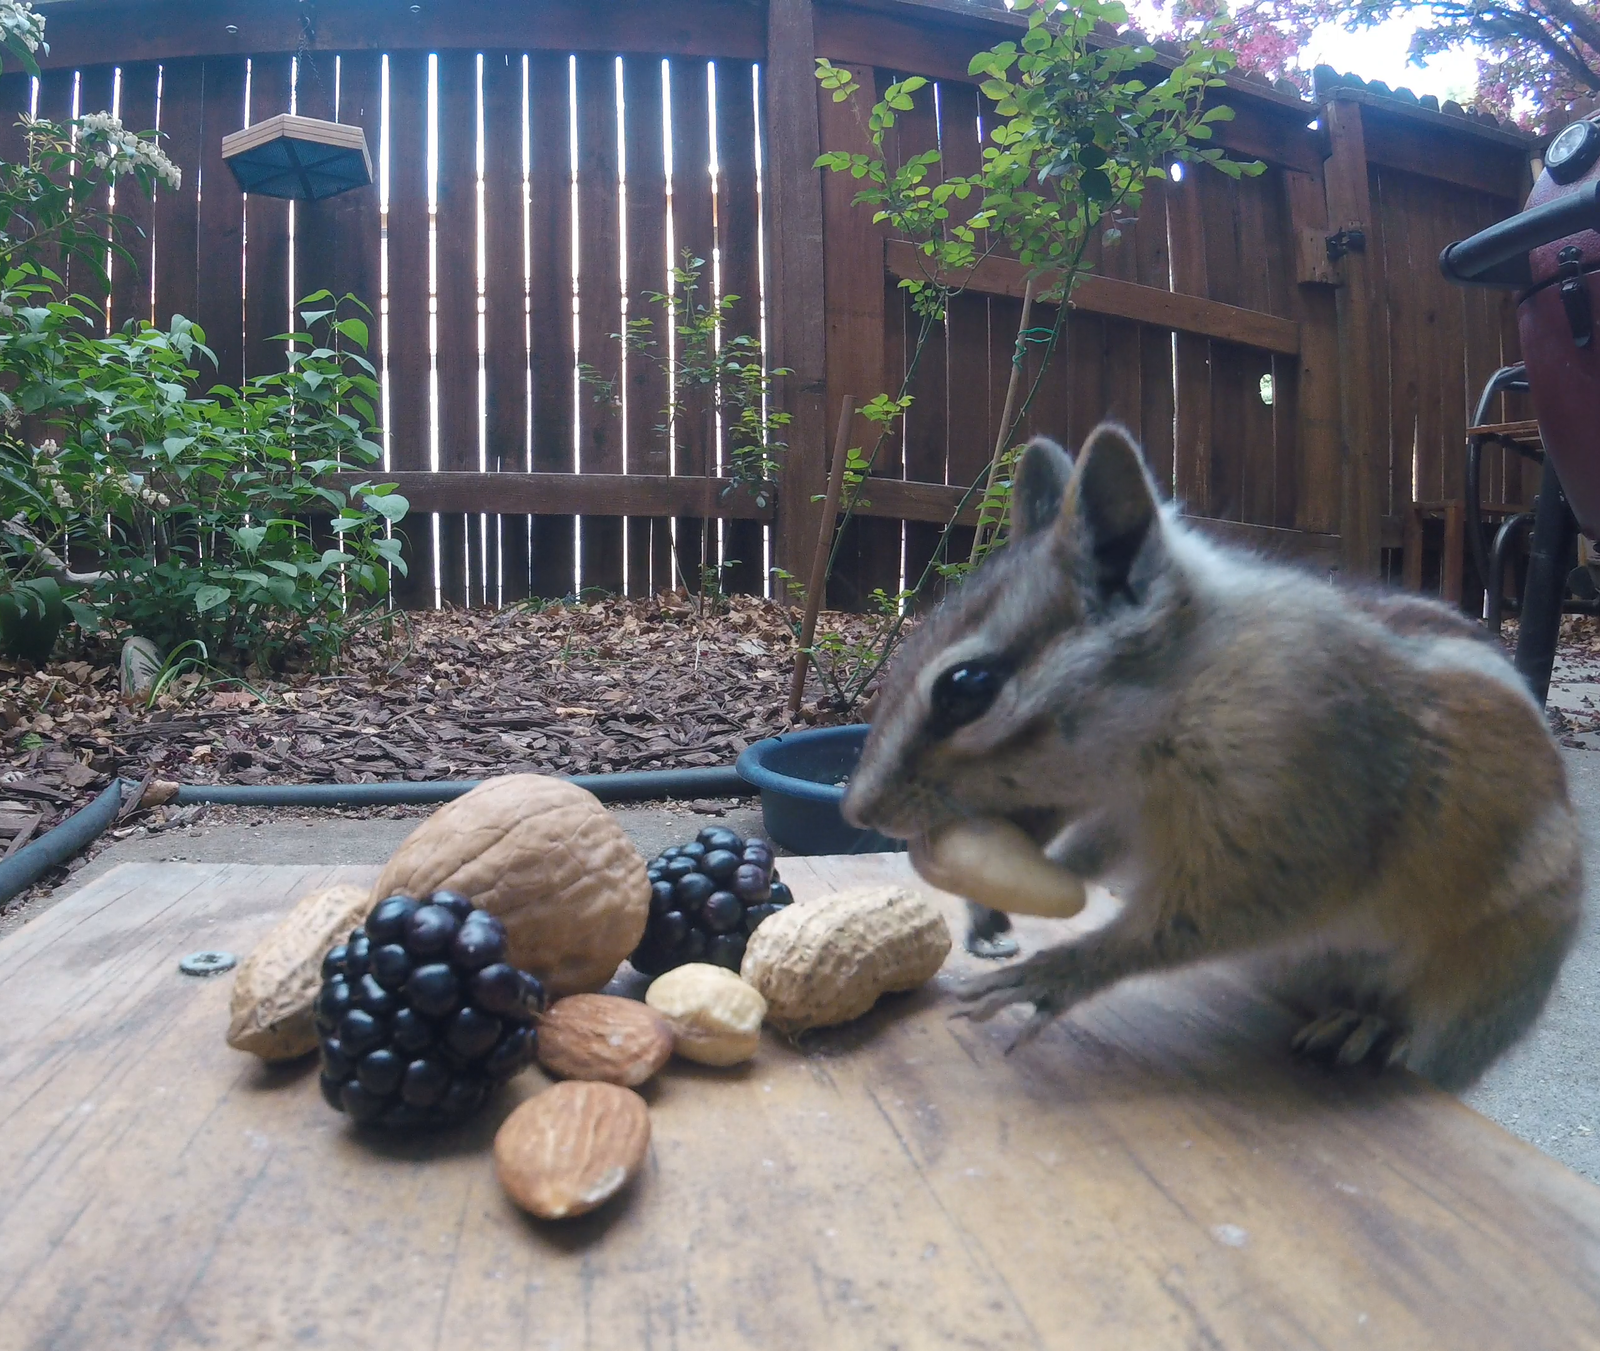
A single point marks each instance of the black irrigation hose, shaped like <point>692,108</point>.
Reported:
<point>629,786</point>
<point>31,862</point>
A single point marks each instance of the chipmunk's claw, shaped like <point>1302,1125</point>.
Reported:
<point>1036,981</point>
<point>1344,1037</point>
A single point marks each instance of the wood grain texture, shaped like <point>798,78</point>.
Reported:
<point>694,231</point>
<point>219,250</point>
<point>552,349</point>
<point>798,331</point>
<point>266,229</point>
<point>130,282</point>
<point>337,243</point>
<point>86,31</point>
<point>738,217</point>
<point>1184,313</point>
<point>410,422</point>
<point>505,357</point>
<point>1317,428</point>
<point>1153,1172</point>
<point>649,538</point>
<point>600,305</point>
<point>176,215</point>
<point>1364,485</point>
<point>455,251</point>
<point>551,495</point>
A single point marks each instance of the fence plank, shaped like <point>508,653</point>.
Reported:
<point>1153,268</point>
<point>1362,493</point>
<point>176,213</point>
<point>505,318</point>
<point>266,231</point>
<point>1191,354</point>
<point>219,299</point>
<point>552,350</point>
<point>1147,304</point>
<point>1318,434</point>
<point>1259,487</point>
<point>140,30</point>
<point>970,407</point>
<point>649,539</point>
<point>57,99</point>
<point>16,98</point>
<point>337,240</point>
<point>96,93</point>
<point>410,425</point>
<point>456,306</point>
<point>568,494</point>
<point>798,331</point>
<point>738,216</point>
<point>130,282</point>
<point>855,317</point>
<point>600,304</point>
<point>694,231</point>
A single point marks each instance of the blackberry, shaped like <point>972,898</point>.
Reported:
<point>706,899</point>
<point>420,1015</point>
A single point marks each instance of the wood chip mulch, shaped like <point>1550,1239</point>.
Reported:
<point>569,689</point>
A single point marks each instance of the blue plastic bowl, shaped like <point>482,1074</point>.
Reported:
<point>801,777</point>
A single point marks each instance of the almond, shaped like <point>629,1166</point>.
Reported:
<point>572,1148</point>
<point>599,1036</point>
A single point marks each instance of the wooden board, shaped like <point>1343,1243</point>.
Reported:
<point>1154,1172</point>
<point>1125,300</point>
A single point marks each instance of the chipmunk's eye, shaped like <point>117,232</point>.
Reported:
<point>964,693</point>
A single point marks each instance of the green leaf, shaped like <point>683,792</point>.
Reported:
<point>390,505</point>
<point>209,597</point>
<point>354,329</point>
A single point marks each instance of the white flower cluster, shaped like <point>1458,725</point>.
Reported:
<point>18,23</point>
<point>151,498</point>
<point>62,496</point>
<point>120,151</point>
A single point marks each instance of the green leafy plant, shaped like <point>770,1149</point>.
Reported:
<point>1083,124</point>
<point>203,522</point>
<point>198,511</point>
<point>710,372</point>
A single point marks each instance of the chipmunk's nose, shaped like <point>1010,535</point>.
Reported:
<point>856,805</point>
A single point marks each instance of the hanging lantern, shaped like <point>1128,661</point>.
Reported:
<point>300,157</point>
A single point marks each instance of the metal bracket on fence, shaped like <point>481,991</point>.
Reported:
<point>1342,242</point>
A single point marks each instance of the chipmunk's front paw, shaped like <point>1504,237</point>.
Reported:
<point>1345,1037</point>
<point>1045,980</point>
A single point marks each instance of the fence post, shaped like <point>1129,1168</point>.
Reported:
<point>1362,405</point>
<point>799,335</point>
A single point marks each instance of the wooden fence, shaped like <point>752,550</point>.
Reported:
<point>541,166</point>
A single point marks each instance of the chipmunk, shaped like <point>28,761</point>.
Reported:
<point>1353,792</point>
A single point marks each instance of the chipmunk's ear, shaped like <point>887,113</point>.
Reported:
<point>1042,477</point>
<point>1111,504</point>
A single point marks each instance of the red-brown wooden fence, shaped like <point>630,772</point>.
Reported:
<point>540,167</point>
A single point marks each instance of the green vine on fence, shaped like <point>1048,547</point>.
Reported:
<point>1083,125</point>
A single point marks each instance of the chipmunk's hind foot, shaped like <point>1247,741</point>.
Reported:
<point>989,933</point>
<point>1344,1037</point>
